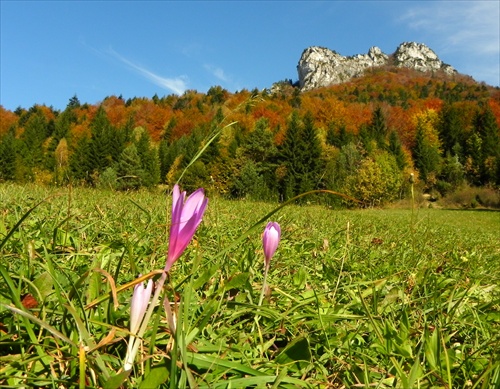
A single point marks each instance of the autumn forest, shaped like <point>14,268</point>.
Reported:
<point>362,138</point>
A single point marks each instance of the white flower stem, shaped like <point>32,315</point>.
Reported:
<point>261,299</point>
<point>264,285</point>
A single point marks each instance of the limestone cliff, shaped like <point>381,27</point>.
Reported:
<point>319,66</point>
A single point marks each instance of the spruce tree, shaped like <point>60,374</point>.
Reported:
<point>7,157</point>
<point>348,161</point>
<point>344,137</point>
<point>289,157</point>
<point>311,156</point>
<point>149,160</point>
<point>451,131</point>
<point>366,139</point>
<point>212,151</point>
<point>192,146</point>
<point>33,137</point>
<point>396,149</point>
<point>337,135</point>
<point>378,128</point>
<point>259,144</point>
<point>300,155</point>
<point>258,156</point>
<point>168,153</point>
<point>62,130</point>
<point>129,169</point>
<point>452,172</point>
<point>331,136</point>
<point>426,157</point>
<point>105,145</point>
<point>73,103</point>
<point>164,158</point>
<point>79,161</point>
<point>486,127</point>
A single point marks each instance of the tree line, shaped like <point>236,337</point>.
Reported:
<point>266,145</point>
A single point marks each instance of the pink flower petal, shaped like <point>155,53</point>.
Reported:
<point>186,217</point>
<point>270,240</point>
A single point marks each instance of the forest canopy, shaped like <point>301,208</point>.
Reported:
<point>363,138</point>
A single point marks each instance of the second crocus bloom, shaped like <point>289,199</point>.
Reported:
<point>270,240</point>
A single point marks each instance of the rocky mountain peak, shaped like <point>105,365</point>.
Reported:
<point>319,66</point>
<point>420,57</point>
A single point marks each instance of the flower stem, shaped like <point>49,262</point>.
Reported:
<point>264,285</point>
<point>261,299</point>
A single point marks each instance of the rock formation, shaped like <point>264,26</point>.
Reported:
<point>319,66</point>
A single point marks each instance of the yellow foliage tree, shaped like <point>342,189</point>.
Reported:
<point>428,121</point>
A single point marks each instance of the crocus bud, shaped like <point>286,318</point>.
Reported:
<point>270,240</point>
<point>139,304</point>
<point>186,217</point>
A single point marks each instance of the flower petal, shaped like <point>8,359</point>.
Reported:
<point>191,206</point>
<point>139,304</point>
<point>270,240</point>
<point>186,217</point>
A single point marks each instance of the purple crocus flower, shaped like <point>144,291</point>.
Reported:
<point>186,217</point>
<point>270,240</point>
<point>139,304</point>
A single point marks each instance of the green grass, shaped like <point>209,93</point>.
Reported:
<point>357,298</point>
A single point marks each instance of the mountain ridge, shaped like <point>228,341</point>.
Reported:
<point>320,66</point>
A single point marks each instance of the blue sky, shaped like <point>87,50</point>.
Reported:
<point>52,50</point>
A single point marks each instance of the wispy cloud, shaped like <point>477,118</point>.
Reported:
<point>217,72</point>
<point>463,25</point>
<point>177,85</point>
<point>469,29</point>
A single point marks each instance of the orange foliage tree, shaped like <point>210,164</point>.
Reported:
<point>7,120</point>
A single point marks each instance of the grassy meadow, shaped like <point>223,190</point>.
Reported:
<point>376,298</point>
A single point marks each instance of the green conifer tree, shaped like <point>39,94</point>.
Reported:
<point>345,165</point>
<point>129,169</point>
<point>290,151</point>
<point>7,157</point>
<point>486,127</point>
<point>337,135</point>
<point>150,164</point>
<point>79,161</point>
<point>396,149</point>
<point>474,159</point>
<point>74,102</point>
<point>35,132</point>
<point>105,145</point>
<point>451,131</point>
<point>311,156</point>
<point>378,128</point>
<point>426,156</point>
<point>168,153</point>
<point>259,144</point>
<point>452,173</point>
<point>300,155</point>
<point>366,139</point>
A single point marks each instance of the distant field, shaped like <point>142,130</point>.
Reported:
<point>357,298</point>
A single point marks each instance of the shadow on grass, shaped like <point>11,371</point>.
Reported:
<point>473,209</point>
